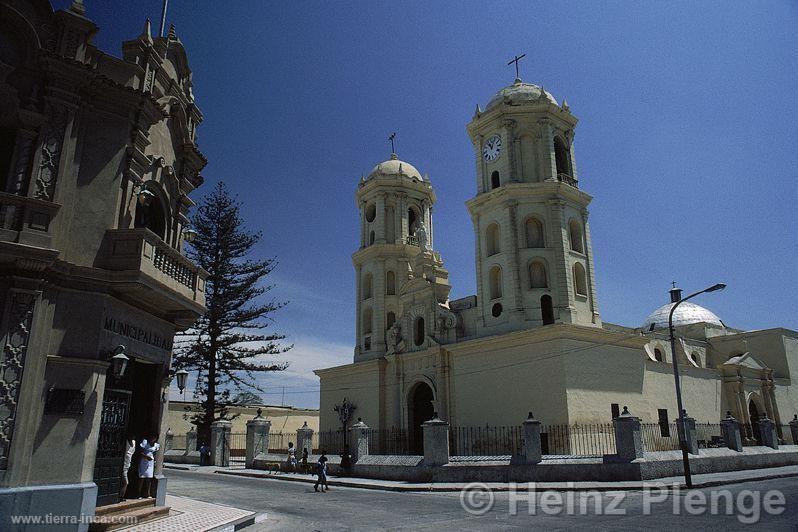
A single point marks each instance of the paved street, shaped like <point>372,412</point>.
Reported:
<point>292,505</point>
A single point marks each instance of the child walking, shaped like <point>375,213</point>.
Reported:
<point>321,471</point>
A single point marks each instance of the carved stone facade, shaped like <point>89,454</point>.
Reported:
<point>97,161</point>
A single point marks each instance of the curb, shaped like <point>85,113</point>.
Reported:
<point>519,486</point>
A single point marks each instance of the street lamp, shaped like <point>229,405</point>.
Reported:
<point>119,362</point>
<point>189,235</point>
<point>144,196</point>
<point>181,381</point>
<point>678,300</point>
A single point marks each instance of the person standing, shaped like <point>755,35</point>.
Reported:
<point>321,471</point>
<point>147,464</point>
<point>130,450</point>
<point>291,457</point>
<point>304,460</point>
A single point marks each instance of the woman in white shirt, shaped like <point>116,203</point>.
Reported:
<point>147,464</point>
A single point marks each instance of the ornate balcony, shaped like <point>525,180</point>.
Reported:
<point>26,220</point>
<point>568,180</point>
<point>154,272</point>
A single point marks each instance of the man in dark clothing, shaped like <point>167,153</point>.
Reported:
<point>321,471</point>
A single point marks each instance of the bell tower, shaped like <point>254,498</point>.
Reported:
<point>534,260</point>
<point>394,201</point>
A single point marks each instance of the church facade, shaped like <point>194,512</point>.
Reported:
<point>531,338</point>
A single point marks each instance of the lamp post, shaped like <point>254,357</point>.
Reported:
<point>181,381</point>
<point>119,362</point>
<point>678,300</point>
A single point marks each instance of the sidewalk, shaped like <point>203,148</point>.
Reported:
<point>699,481</point>
<point>188,515</point>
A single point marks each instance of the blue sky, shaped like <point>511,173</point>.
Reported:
<point>687,139</point>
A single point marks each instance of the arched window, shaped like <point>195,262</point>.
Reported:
<point>152,217</point>
<point>371,212</point>
<point>575,234</point>
<point>412,220</point>
<point>494,180</point>
<point>419,333</point>
<point>367,320</point>
<point>390,283</point>
<point>561,157</point>
<point>658,355</point>
<point>546,309</point>
<point>368,284</point>
<point>580,281</point>
<point>492,239</point>
<point>496,310</point>
<point>390,319</point>
<point>695,358</point>
<point>495,282</point>
<point>537,275</point>
<point>534,233</point>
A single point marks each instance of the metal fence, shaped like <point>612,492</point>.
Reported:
<point>484,441</point>
<point>393,440</point>
<point>278,442</point>
<point>659,436</point>
<point>238,446</point>
<point>594,439</point>
<point>709,435</point>
<point>332,441</point>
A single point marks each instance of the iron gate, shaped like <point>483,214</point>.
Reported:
<point>111,446</point>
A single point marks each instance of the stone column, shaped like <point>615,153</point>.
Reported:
<point>359,440</point>
<point>767,429</point>
<point>730,428</point>
<point>257,438</point>
<point>530,442</point>
<point>628,439</point>
<point>687,433</point>
<point>436,441</point>
<point>168,440</point>
<point>191,440</point>
<point>794,429</point>
<point>304,439</point>
<point>220,443</point>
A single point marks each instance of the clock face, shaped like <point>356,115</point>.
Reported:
<point>492,148</point>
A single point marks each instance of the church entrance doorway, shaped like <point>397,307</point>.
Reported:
<point>420,409</point>
<point>753,413</point>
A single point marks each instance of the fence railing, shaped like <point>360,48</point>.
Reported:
<point>709,435</point>
<point>179,442</point>
<point>592,439</point>
<point>332,441</point>
<point>238,446</point>
<point>278,442</point>
<point>484,441</point>
<point>392,440</point>
<point>659,436</point>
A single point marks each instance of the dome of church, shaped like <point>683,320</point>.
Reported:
<point>519,93</point>
<point>394,166</point>
<point>685,314</point>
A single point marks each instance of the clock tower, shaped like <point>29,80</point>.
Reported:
<point>534,260</point>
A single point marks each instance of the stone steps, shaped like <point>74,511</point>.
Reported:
<point>127,513</point>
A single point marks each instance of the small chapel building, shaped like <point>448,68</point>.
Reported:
<point>531,338</point>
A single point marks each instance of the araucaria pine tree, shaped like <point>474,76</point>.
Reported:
<point>227,347</point>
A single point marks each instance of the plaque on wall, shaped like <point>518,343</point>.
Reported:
<point>64,402</point>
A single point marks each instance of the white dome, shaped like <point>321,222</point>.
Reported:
<point>519,93</point>
<point>394,166</point>
<point>685,314</point>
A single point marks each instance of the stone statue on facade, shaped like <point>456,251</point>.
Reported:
<point>422,236</point>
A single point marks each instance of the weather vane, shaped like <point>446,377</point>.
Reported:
<point>516,60</point>
<point>391,138</point>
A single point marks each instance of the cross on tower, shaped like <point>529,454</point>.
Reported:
<point>391,138</point>
<point>515,60</point>
<point>673,283</point>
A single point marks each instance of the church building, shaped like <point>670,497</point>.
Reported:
<point>532,337</point>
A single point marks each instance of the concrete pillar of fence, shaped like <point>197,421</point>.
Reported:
<point>767,429</point>
<point>359,441</point>
<point>168,440</point>
<point>304,439</point>
<point>628,439</point>
<point>191,440</point>
<point>730,428</point>
<point>220,443</point>
<point>436,441</point>
<point>685,427</point>
<point>530,440</point>
<point>257,438</point>
<point>794,429</point>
